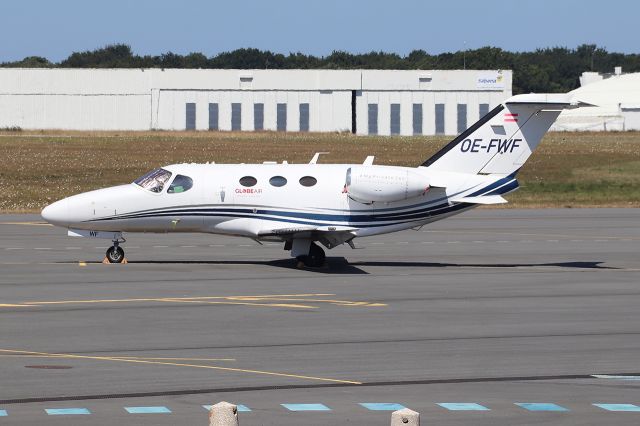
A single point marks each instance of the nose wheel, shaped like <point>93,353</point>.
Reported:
<point>115,253</point>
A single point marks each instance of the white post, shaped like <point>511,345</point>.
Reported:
<point>405,417</point>
<point>223,414</point>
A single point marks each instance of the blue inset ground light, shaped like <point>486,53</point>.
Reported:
<point>463,406</point>
<point>66,411</point>
<point>306,407</point>
<point>618,407</point>
<point>147,410</point>
<point>541,406</point>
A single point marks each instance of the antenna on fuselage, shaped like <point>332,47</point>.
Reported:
<point>317,155</point>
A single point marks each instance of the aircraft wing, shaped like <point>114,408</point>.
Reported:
<point>329,236</point>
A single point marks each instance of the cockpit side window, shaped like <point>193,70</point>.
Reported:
<point>154,181</point>
<point>180,184</point>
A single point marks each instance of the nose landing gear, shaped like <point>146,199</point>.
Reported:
<point>115,253</point>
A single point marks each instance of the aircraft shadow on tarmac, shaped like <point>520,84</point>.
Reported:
<point>574,265</point>
<point>334,265</point>
<point>340,265</point>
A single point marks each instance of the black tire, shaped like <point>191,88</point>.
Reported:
<point>316,257</point>
<point>115,254</point>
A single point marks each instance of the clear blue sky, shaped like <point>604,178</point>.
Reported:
<point>55,28</point>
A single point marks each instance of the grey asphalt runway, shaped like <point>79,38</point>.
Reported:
<point>479,313</point>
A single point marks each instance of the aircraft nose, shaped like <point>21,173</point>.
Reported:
<point>56,213</point>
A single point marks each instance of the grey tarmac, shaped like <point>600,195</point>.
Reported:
<point>492,307</point>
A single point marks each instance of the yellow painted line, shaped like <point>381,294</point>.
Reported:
<point>164,299</point>
<point>28,356</point>
<point>330,301</point>
<point>175,364</point>
<point>123,357</point>
<point>176,359</point>
<point>270,301</point>
<point>268,305</point>
<point>14,305</point>
<point>26,223</point>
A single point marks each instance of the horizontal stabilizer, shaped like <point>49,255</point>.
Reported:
<point>482,199</point>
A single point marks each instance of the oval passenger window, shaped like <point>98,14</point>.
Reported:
<point>248,181</point>
<point>278,181</point>
<point>308,181</point>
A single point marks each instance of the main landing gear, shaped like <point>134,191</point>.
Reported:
<point>115,253</point>
<point>315,258</point>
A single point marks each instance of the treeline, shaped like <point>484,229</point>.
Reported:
<point>544,70</point>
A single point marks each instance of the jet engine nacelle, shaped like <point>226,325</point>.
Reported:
<point>369,184</point>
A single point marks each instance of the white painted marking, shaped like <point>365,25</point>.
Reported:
<point>160,246</point>
<point>428,242</point>
<point>453,242</point>
<point>73,248</point>
<point>42,248</point>
<point>188,246</point>
<point>216,245</point>
<point>502,241</point>
<point>14,248</point>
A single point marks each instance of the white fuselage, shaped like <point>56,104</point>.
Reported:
<point>332,204</point>
<point>218,203</point>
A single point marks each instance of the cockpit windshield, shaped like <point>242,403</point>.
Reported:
<point>154,181</point>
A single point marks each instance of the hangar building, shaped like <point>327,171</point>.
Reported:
<point>383,102</point>
<point>616,103</point>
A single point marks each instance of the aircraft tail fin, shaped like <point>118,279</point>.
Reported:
<point>501,141</point>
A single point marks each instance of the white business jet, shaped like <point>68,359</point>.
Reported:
<point>302,205</point>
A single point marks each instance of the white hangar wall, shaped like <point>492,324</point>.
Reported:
<point>615,100</point>
<point>75,99</point>
<point>362,101</point>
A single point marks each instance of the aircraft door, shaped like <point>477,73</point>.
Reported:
<point>185,197</point>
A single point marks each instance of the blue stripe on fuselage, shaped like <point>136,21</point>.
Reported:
<point>239,214</point>
<point>392,216</point>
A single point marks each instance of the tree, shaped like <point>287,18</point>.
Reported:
<point>554,69</point>
<point>111,56</point>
